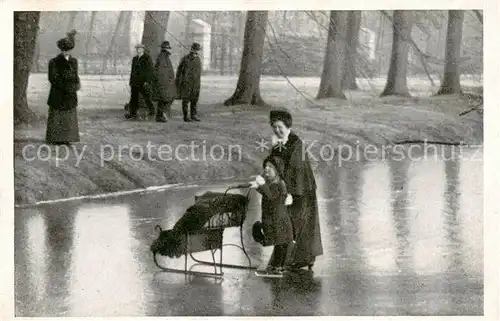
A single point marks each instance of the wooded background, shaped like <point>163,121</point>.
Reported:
<point>339,46</point>
<point>294,42</point>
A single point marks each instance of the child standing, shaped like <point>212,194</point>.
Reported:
<point>276,227</point>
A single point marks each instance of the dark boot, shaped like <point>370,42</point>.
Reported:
<point>194,111</point>
<point>160,112</point>
<point>185,110</point>
<point>168,109</point>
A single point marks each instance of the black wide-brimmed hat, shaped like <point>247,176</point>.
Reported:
<point>195,47</point>
<point>67,43</point>
<point>281,114</point>
<point>166,45</point>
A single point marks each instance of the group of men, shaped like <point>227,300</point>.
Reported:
<point>159,83</point>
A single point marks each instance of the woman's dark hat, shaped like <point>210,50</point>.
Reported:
<point>166,45</point>
<point>67,43</point>
<point>196,47</point>
<point>277,163</point>
<point>281,114</point>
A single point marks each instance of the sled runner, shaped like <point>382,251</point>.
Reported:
<point>201,229</point>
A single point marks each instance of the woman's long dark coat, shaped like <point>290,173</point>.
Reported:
<point>164,88</point>
<point>188,78</point>
<point>276,221</point>
<point>62,122</point>
<point>300,182</point>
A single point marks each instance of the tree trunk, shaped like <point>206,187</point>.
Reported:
<point>187,31</point>
<point>223,55</point>
<point>213,42</point>
<point>89,39</point>
<point>241,35</point>
<point>36,60</point>
<point>352,37</point>
<point>248,86</point>
<point>126,44</point>
<point>284,19</point>
<point>396,78</point>
<point>72,18</point>
<point>25,31</point>
<point>232,39</point>
<point>479,15</point>
<point>451,78</point>
<point>439,47</point>
<point>380,44</point>
<point>155,27</point>
<point>331,77</point>
<point>111,47</point>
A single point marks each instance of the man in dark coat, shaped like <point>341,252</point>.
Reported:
<point>140,82</point>
<point>164,83</point>
<point>62,121</point>
<point>188,81</point>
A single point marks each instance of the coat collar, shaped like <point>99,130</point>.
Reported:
<point>63,58</point>
<point>288,140</point>
<point>283,141</point>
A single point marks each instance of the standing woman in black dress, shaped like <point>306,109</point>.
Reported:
<point>62,122</point>
<point>301,185</point>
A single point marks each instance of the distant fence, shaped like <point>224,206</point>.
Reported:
<point>112,65</point>
<point>92,64</point>
<point>298,64</point>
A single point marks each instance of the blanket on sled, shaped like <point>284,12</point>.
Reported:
<point>201,227</point>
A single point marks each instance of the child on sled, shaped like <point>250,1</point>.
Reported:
<point>276,226</point>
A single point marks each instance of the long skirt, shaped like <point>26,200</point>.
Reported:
<point>305,218</point>
<point>62,126</point>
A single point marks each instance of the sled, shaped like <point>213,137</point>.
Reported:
<point>201,229</point>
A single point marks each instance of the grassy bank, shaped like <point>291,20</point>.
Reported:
<point>113,154</point>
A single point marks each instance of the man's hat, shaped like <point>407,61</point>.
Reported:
<point>165,45</point>
<point>195,47</point>
<point>139,45</point>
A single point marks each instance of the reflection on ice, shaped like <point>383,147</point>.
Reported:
<point>399,237</point>
<point>106,279</point>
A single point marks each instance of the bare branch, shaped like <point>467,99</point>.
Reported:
<point>479,15</point>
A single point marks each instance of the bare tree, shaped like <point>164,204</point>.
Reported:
<point>479,15</point>
<point>451,78</point>
<point>223,47</point>
<point>213,40</point>
<point>72,19</point>
<point>25,35</point>
<point>248,86</point>
<point>155,27</point>
<point>89,39</point>
<point>331,77</point>
<point>112,44</point>
<point>36,58</point>
<point>187,31</point>
<point>352,37</point>
<point>396,78</point>
<point>380,43</point>
<point>127,25</point>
